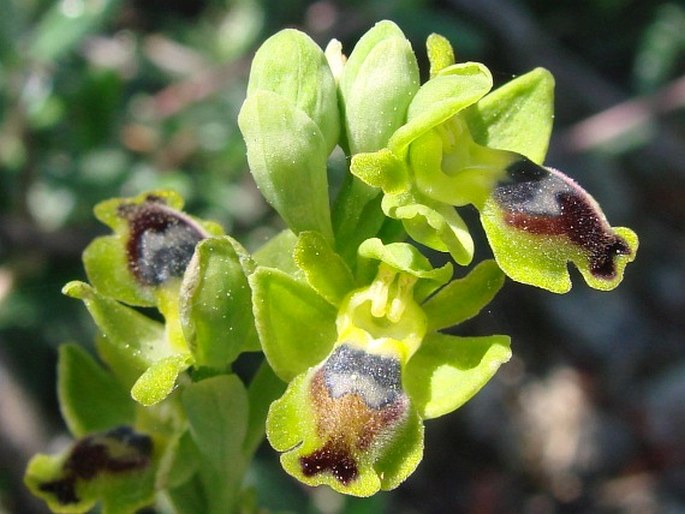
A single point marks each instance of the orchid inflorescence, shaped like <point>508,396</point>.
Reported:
<point>348,311</point>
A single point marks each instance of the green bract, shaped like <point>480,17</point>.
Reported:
<point>346,309</point>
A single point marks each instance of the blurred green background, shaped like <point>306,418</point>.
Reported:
<point>103,98</point>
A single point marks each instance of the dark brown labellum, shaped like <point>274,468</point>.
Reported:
<point>544,201</point>
<point>116,451</point>
<point>358,401</point>
<point>161,241</point>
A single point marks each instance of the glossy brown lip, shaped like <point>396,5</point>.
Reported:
<point>161,241</point>
<point>357,398</point>
<point>544,201</point>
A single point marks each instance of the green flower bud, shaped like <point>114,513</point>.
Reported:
<point>378,82</point>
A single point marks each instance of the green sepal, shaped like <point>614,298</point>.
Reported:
<point>448,370</point>
<point>90,398</point>
<point>216,303</point>
<point>404,258</point>
<point>159,380</point>
<point>324,269</point>
<point>435,225</point>
<point>295,325</point>
<point>287,155</point>
<point>517,116</point>
<point>277,253</point>
<point>217,412</point>
<point>381,169</point>
<point>75,482</point>
<point>452,90</point>
<point>131,342</point>
<point>542,260</point>
<point>464,298</point>
<point>378,81</point>
<point>294,67</point>
<point>440,53</point>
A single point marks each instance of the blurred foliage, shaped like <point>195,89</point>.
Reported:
<point>103,98</point>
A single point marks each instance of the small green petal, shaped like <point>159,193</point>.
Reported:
<point>131,343</point>
<point>517,116</point>
<point>381,169</point>
<point>295,325</point>
<point>432,224</point>
<point>464,298</point>
<point>448,371</point>
<point>159,380</point>
<point>287,155</point>
<point>294,67</point>
<point>90,398</point>
<point>440,53</point>
<point>439,99</point>
<point>324,269</point>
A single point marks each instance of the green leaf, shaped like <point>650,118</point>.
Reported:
<point>295,325</point>
<point>287,156</point>
<point>378,81</point>
<point>448,370</point>
<point>517,116</point>
<point>294,67</point>
<point>439,99</point>
<point>131,342</point>
<point>216,303</point>
<point>90,398</point>
<point>159,380</point>
<point>324,269</point>
<point>464,298</point>
<point>217,411</point>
